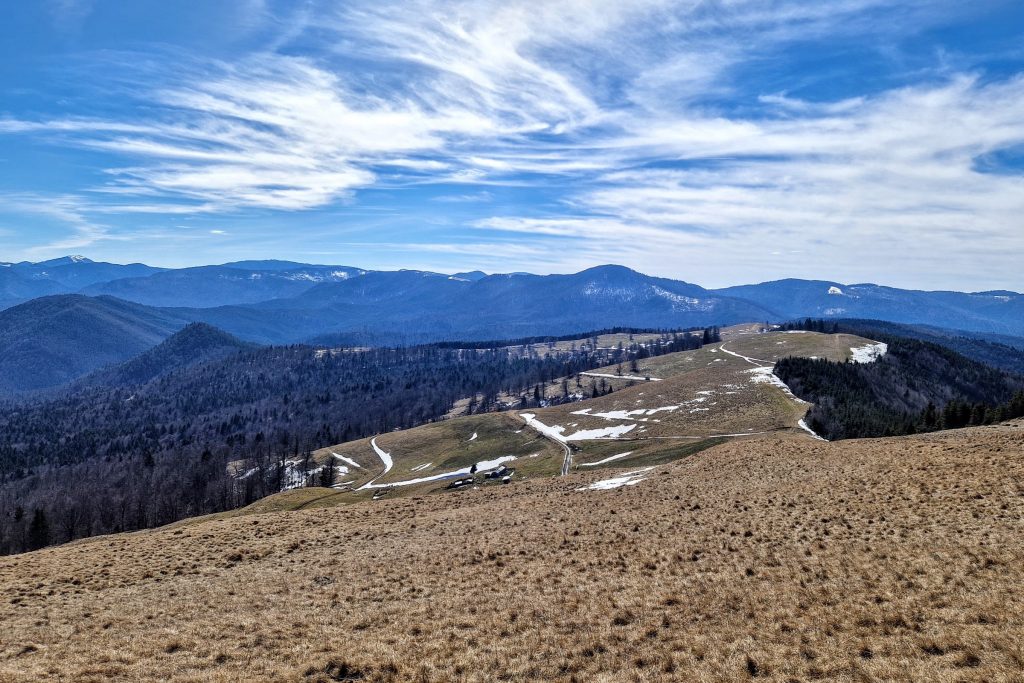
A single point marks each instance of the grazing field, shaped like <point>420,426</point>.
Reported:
<point>771,558</point>
<point>693,400</point>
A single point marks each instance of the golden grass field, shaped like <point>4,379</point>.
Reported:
<point>773,558</point>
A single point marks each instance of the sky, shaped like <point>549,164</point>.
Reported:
<point>714,141</point>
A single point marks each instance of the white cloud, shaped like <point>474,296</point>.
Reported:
<point>616,109</point>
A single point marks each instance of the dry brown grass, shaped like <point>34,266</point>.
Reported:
<point>778,558</point>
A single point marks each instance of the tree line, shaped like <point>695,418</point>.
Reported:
<point>916,387</point>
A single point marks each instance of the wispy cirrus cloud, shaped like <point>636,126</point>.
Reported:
<point>658,131</point>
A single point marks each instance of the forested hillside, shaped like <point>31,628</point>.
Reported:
<point>916,387</point>
<point>197,343</point>
<point>106,459</point>
<point>53,340</point>
<point>999,351</point>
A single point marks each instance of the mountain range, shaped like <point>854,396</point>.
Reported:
<point>69,317</point>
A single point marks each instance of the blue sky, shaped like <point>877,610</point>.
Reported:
<point>718,142</point>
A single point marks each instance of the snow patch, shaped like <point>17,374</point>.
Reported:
<point>384,458</point>
<point>835,291</point>
<point>551,432</point>
<point>606,460</point>
<point>473,438</point>
<point>626,414</point>
<point>869,353</point>
<point>803,426</point>
<point>604,433</point>
<point>556,432</point>
<point>345,459</point>
<point>482,466</point>
<point>765,375</point>
<point>627,479</point>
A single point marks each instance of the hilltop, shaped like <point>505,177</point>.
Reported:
<point>775,557</point>
<point>53,340</point>
<point>665,408</point>
<point>194,344</point>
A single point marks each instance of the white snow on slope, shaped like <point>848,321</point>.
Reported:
<point>294,478</point>
<point>633,377</point>
<point>835,290</point>
<point>556,432</point>
<point>473,438</point>
<point>420,468</point>
<point>625,414</point>
<point>384,457</point>
<point>627,479</point>
<point>603,433</point>
<point>869,353</point>
<point>344,459</point>
<point>752,361</point>
<point>803,426</point>
<point>482,466</point>
<point>552,432</point>
<point>606,460</point>
<point>766,376</point>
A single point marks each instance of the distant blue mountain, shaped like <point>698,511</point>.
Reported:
<point>209,286</point>
<point>472,275</point>
<point>20,282</point>
<point>998,312</point>
<point>76,272</point>
<point>51,340</point>
<point>196,343</point>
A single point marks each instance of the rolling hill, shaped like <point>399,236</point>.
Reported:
<point>775,557</point>
<point>196,343</point>
<point>672,406</point>
<point>53,340</point>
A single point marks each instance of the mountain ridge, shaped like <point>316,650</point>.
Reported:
<point>193,344</point>
<point>285,304</point>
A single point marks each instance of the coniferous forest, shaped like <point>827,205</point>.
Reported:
<point>916,386</point>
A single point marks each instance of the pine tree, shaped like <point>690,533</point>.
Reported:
<point>38,531</point>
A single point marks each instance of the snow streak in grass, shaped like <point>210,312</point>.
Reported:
<point>384,458</point>
<point>765,375</point>
<point>803,426</point>
<point>346,459</point>
<point>627,479</point>
<point>482,466</point>
<point>606,460</point>
<point>556,431</point>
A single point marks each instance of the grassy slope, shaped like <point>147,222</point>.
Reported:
<point>736,405</point>
<point>784,558</point>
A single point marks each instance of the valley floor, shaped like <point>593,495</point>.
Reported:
<point>776,557</point>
